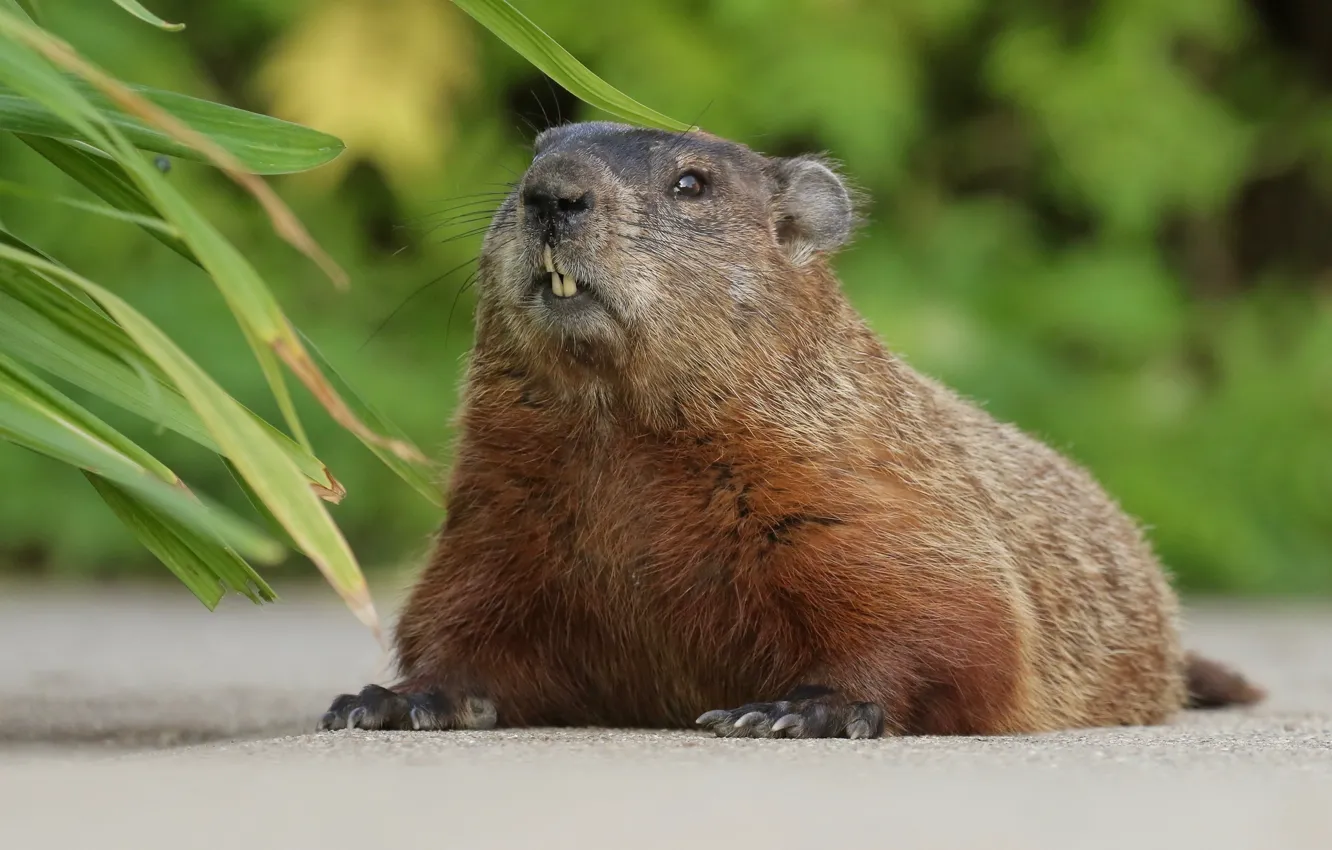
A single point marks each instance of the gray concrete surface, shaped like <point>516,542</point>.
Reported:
<point>138,719</point>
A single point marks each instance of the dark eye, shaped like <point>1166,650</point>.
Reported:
<point>690,185</point>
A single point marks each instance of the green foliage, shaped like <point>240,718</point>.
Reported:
<point>80,329</point>
<point>1108,221</point>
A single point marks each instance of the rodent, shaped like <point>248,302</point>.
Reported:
<point>693,488</point>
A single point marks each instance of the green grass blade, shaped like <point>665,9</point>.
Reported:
<point>26,66</point>
<point>24,9</point>
<point>27,335</point>
<point>48,327</point>
<point>414,474</point>
<point>106,178</point>
<point>254,305</point>
<point>79,343</point>
<point>262,144</point>
<point>36,416</point>
<point>8,238</point>
<point>101,176</point>
<point>110,182</point>
<point>271,522</point>
<point>207,568</point>
<point>18,190</point>
<point>135,8</point>
<point>263,464</point>
<point>250,300</point>
<point>277,385</point>
<point>517,30</point>
<point>66,305</point>
<point>261,461</point>
<point>159,539</point>
<point>23,385</point>
<point>245,292</point>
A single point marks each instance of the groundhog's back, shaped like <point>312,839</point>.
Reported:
<point>1098,617</point>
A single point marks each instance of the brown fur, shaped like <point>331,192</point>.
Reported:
<point>729,488</point>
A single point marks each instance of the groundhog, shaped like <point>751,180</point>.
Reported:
<point>692,488</point>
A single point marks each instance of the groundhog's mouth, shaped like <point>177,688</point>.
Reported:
<point>559,284</point>
<point>557,288</point>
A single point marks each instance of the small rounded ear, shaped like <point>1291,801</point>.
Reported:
<point>812,208</point>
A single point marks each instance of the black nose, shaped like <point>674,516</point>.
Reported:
<point>553,209</point>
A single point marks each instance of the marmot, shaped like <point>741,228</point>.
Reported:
<point>691,481</point>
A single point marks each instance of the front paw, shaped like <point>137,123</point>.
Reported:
<point>820,717</point>
<point>377,707</point>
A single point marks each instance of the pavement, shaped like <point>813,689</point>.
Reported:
<point>135,718</point>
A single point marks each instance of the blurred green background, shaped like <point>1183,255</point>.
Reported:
<point>1109,221</point>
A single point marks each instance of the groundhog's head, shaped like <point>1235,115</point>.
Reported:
<point>656,252</point>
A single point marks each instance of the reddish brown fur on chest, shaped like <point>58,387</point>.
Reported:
<point>636,573</point>
<point>626,578</point>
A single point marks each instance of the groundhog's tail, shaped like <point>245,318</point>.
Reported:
<point>1214,685</point>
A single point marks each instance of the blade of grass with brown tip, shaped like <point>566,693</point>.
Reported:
<point>35,415</point>
<point>415,474</point>
<point>134,103</point>
<point>51,329</point>
<point>260,460</point>
<point>245,292</point>
<point>135,8</point>
<point>263,464</point>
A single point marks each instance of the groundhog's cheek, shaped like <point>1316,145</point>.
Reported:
<point>505,277</point>
<point>637,292</point>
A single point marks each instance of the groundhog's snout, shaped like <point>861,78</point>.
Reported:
<point>558,196</point>
<point>559,199</point>
<point>556,212</point>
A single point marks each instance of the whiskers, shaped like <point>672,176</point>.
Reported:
<point>464,213</point>
<point>418,291</point>
<point>460,218</point>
